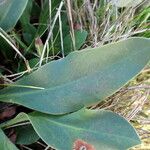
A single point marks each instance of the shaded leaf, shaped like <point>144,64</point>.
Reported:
<point>5,143</point>
<point>80,37</point>
<point>81,79</point>
<point>28,29</point>
<point>5,49</point>
<point>26,135</point>
<point>90,128</point>
<point>10,12</point>
<point>12,135</point>
<point>43,19</point>
<point>19,118</point>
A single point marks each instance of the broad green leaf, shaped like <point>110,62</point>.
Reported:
<point>102,129</point>
<point>10,12</point>
<point>125,3</point>
<point>81,79</point>
<point>5,143</point>
<point>19,118</point>
<point>26,135</point>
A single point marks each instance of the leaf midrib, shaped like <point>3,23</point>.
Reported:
<point>84,130</point>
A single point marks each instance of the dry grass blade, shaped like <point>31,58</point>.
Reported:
<point>50,33</point>
<point>70,18</point>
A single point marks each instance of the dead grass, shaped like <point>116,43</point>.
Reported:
<point>107,23</point>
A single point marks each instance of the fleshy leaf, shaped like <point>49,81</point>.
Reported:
<point>10,12</point>
<point>81,79</point>
<point>22,117</point>
<point>5,143</point>
<point>90,128</point>
<point>26,135</point>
